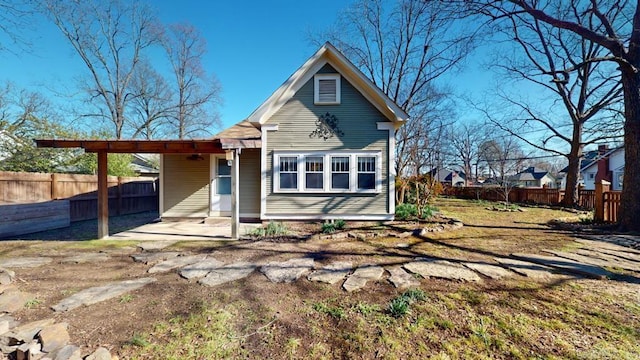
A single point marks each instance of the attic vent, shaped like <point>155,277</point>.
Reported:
<point>327,89</point>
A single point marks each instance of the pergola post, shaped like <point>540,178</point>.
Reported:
<point>235,192</point>
<point>103,196</point>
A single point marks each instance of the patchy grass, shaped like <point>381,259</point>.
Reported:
<point>564,318</point>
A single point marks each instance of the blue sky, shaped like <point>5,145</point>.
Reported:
<point>253,46</point>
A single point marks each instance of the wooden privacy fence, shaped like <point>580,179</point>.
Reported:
<point>605,202</point>
<point>127,195</point>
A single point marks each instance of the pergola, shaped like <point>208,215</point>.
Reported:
<point>229,146</point>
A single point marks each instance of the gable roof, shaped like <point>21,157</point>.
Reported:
<point>608,154</point>
<point>530,174</point>
<point>328,54</point>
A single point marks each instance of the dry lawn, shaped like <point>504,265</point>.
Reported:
<point>567,318</point>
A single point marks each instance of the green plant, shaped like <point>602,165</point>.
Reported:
<point>366,309</point>
<point>273,228</point>
<point>126,298</point>
<point>333,311</point>
<point>340,224</point>
<point>398,307</point>
<point>414,295</point>
<point>406,211</point>
<point>428,211</point>
<point>328,228</point>
<point>139,341</point>
<point>30,304</point>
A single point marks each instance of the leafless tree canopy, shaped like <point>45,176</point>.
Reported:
<point>197,93</point>
<point>615,26</point>
<point>403,46</point>
<point>584,93</point>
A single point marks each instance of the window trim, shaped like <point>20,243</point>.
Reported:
<point>316,88</point>
<point>297,172</point>
<point>327,171</point>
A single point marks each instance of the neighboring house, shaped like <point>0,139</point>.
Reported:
<point>587,172</point>
<point>320,147</point>
<point>449,178</point>
<point>145,164</point>
<point>533,178</point>
<point>608,166</point>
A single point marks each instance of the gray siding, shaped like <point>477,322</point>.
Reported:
<point>358,120</point>
<point>250,182</point>
<point>185,186</point>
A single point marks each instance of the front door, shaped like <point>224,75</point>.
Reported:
<point>220,187</point>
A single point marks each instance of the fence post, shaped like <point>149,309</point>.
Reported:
<point>54,187</point>
<point>602,186</point>
<point>119,194</point>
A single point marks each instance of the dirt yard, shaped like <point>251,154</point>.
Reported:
<point>564,316</point>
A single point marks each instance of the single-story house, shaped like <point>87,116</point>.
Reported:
<point>449,177</point>
<point>320,147</point>
<point>533,177</point>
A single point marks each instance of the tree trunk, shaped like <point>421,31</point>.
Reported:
<point>630,202</point>
<point>571,191</point>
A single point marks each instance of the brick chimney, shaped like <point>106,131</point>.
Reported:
<point>603,165</point>
<point>602,149</point>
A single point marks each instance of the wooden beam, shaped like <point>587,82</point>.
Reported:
<point>103,196</point>
<point>235,182</point>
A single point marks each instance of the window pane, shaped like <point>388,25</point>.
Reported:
<point>366,181</point>
<point>288,180</point>
<point>340,181</point>
<point>288,163</point>
<point>313,163</point>
<point>314,181</point>
<point>223,185</point>
<point>340,164</point>
<point>366,164</point>
<point>223,167</point>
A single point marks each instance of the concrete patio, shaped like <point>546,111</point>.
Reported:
<point>211,229</point>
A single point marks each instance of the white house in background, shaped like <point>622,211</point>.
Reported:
<point>533,178</point>
<point>587,169</point>
<point>609,166</point>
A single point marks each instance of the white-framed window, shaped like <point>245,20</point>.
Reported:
<point>288,170</point>
<point>327,171</point>
<point>313,173</point>
<point>340,173</point>
<point>326,89</point>
<point>366,172</point>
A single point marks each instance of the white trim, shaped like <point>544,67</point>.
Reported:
<point>328,54</point>
<point>391,163</point>
<point>263,166</point>
<point>161,185</point>
<point>328,217</point>
<point>316,88</point>
<point>250,215</point>
<point>327,155</point>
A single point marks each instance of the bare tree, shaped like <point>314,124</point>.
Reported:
<point>109,36</point>
<point>151,105</point>
<point>504,157</point>
<point>620,36</point>
<point>14,18</point>
<point>463,144</point>
<point>403,47</point>
<point>197,93</point>
<point>561,64</point>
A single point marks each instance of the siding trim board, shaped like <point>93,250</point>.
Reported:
<point>263,166</point>
<point>351,217</point>
<point>391,163</point>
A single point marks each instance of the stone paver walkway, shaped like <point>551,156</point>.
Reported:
<point>24,262</point>
<point>491,271</point>
<point>361,276</point>
<point>176,262</point>
<point>287,271</point>
<point>400,278</point>
<point>100,293</point>
<point>528,269</point>
<point>332,273</point>
<point>429,267</point>
<point>568,265</point>
<point>200,269</point>
<point>154,257</point>
<point>227,273</point>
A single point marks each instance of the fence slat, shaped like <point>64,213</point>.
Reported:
<point>129,194</point>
